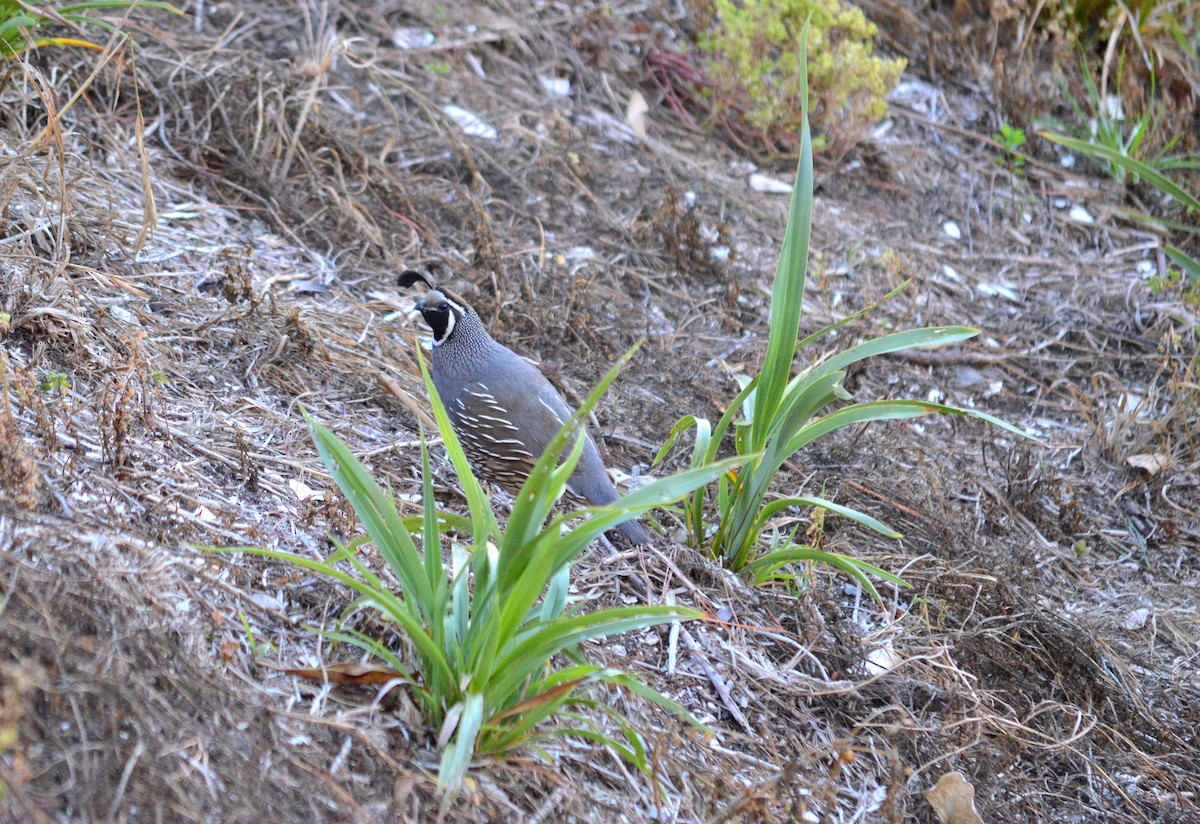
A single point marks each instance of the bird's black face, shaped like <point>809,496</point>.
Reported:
<point>442,315</point>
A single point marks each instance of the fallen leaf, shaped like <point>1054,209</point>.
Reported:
<point>352,674</point>
<point>953,800</point>
<point>1153,463</point>
<point>635,113</point>
<point>1136,619</point>
<point>303,491</point>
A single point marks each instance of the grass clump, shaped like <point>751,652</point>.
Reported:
<point>486,628</point>
<point>777,414</point>
<point>1159,175</point>
<point>19,22</point>
<point>754,63</point>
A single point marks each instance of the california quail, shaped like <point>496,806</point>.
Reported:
<point>503,409</point>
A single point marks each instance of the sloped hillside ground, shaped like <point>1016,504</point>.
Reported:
<point>157,357</point>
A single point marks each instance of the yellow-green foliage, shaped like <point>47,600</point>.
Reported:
<point>752,48</point>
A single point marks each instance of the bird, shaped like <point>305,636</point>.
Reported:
<point>503,409</point>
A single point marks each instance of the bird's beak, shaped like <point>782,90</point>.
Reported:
<point>418,309</point>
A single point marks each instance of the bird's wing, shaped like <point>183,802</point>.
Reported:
<point>492,435</point>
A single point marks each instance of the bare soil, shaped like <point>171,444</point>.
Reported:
<point>207,240</point>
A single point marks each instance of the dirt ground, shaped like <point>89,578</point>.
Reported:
<point>209,240</point>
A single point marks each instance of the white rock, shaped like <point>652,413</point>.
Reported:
<point>1081,215</point>
<point>412,38</point>
<point>555,86</point>
<point>762,183</point>
<point>470,123</point>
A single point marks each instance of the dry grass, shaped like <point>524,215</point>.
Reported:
<point>293,161</point>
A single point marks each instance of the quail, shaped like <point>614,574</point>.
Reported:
<point>504,411</point>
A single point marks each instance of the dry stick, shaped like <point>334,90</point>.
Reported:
<point>407,401</point>
<point>714,677</point>
<point>337,789</point>
<point>149,210</point>
<point>718,682</point>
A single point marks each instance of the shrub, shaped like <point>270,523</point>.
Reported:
<point>486,629</point>
<point>752,47</point>
<point>775,414</point>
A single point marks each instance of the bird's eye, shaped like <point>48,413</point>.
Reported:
<point>443,306</point>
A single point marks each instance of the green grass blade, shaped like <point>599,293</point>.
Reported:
<point>655,697</point>
<point>765,566</point>
<point>355,638</point>
<point>435,569</point>
<point>435,664</point>
<point>658,493</point>
<point>820,333</point>
<point>525,658</point>
<point>895,342</point>
<point>787,293</point>
<point>845,511</point>
<point>702,451</point>
<point>886,411</point>
<point>736,535</point>
<point>447,522</point>
<point>744,397</point>
<point>456,758</point>
<point>1148,174</point>
<point>1189,265</point>
<point>703,436</point>
<point>377,511</point>
<point>118,4</point>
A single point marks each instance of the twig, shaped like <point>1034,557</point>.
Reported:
<point>719,683</point>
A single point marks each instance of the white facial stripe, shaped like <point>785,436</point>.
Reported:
<point>451,320</point>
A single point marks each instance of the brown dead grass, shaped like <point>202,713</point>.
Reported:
<point>296,162</point>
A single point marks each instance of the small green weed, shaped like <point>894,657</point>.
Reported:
<point>1158,177</point>
<point>1011,139</point>
<point>56,382</point>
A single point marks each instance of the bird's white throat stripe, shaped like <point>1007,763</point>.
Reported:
<point>450,322</point>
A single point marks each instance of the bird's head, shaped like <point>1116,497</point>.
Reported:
<point>442,310</point>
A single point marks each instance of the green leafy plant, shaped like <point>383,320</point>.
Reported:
<point>484,630</point>
<point>1105,124</point>
<point>776,414</point>
<point>1011,139</point>
<point>753,56</point>
<point>56,382</point>
<point>1157,177</point>
<point>19,22</point>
